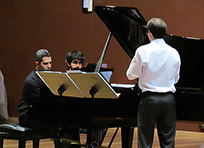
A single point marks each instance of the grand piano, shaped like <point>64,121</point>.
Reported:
<point>128,27</point>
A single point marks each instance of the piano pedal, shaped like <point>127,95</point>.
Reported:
<point>86,146</point>
<point>77,143</point>
<point>102,147</point>
<point>69,142</point>
<point>92,146</point>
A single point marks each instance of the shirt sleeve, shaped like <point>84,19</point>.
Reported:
<point>134,70</point>
<point>177,77</point>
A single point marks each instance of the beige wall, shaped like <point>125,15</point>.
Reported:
<point>60,26</point>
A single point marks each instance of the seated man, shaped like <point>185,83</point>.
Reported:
<point>38,106</point>
<point>75,60</point>
<point>34,96</point>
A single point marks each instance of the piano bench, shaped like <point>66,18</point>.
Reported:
<point>14,131</point>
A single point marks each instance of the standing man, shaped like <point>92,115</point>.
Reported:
<point>157,65</point>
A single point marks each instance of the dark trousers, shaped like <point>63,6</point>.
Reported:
<point>47,127</point>
<point>159,109</point>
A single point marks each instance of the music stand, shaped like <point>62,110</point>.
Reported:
<point>93,85</point>
<point>59,83</point>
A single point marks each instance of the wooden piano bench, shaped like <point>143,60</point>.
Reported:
<point>14,131</point>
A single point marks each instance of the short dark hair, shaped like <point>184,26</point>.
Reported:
<point>75,55</point>
<point>157,27</point>
<point>40,54</point>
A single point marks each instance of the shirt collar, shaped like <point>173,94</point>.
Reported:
<point>159,40</point>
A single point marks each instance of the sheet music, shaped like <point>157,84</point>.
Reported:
<point>85,81</point>
<point>54,80</point>
<point>123,85</point>
<point>78,84</point>
<point>74,71</point>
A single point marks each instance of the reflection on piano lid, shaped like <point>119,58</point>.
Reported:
<point>90,67</point>
<point>105,72</point>
<point>126,24</point>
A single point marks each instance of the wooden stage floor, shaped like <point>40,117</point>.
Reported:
<point>184,139</point>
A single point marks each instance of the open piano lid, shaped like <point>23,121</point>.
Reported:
<point>126,24</point>
<point>129,28</point>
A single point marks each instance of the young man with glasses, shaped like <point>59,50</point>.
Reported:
<point>75,60</point>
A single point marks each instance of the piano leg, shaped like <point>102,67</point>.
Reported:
<point>58,143</point>
<point>127,136</point>
<point>95,137</point>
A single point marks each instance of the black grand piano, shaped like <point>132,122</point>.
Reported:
<point>128,27</point>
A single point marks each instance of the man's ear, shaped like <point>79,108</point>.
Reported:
<point>151,37</point>
<point>37,63</point>
<point>150,33</point>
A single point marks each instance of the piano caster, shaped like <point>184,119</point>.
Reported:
<point>96,146</point>
<point>201,126</point>
<point>66,143</point>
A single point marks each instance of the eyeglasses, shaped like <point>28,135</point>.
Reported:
<point>77,62</point>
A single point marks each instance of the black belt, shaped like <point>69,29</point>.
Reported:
<point>168,92</point>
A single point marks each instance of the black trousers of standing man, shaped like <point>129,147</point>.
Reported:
<point>156,108</point>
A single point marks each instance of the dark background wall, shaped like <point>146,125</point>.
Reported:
<point>60,26</point>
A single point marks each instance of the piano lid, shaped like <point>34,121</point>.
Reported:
<point>129,28</point>
<point>126,24</point>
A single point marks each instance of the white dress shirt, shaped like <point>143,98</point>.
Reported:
<point>157,65</point>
